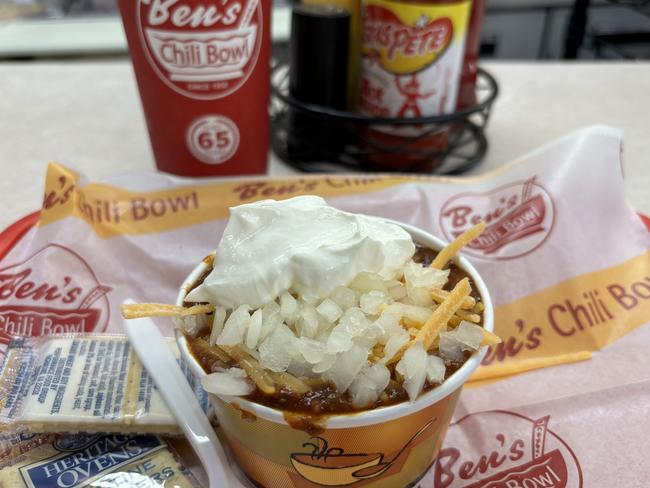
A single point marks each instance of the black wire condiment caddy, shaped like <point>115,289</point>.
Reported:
<point>313,138</point>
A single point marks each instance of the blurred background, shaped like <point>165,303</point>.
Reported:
<point>513,29</point>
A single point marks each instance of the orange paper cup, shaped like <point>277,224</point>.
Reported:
<point>386,447</point>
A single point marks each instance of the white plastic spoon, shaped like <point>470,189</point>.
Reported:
<point>153,350</point>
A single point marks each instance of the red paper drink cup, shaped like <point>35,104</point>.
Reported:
<point>203,74</point>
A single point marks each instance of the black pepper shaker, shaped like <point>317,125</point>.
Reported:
<point>319,50</point>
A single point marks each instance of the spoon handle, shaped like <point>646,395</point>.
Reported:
<point>156,356</point>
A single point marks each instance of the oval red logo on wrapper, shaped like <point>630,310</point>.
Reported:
<point>202,50</point>
<point>514,452</point>
<point>37,300</point>
<point>519,218</point>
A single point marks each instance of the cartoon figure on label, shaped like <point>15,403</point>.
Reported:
<point>411,92</point>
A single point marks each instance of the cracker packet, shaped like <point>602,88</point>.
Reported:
<point>82,383</point>
<point>94,460</point>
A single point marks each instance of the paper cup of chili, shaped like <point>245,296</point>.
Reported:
<point>362,392</point>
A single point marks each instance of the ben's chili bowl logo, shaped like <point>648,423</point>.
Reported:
<point>53,291</point>
<point>203,50</point>
<point>513,451</point>
<point>404,48</point>
<point>519,218</point>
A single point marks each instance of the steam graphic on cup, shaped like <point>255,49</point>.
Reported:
<point>332,466</point>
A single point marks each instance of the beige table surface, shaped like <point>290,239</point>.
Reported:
<point>88,115</point>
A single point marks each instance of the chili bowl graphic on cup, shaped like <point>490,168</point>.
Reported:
<point>278,443</point>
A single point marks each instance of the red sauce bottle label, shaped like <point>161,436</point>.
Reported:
<point>412,57</point>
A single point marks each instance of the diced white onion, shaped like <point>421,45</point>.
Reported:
<point>217,324</point>
<point>365,282</point>
<point>192,324</point>
<point>416,275</point>
<point>232,382</point>
<point>329,310</point>
<point>275,351</point>
<point>435,369</point>
<point>288,307</point>
<point>395,343</point>
<point>369,384</point>
<point>254,329</point>
<point>372,302</point>
<point>413,367</point>
<point>307,321</point>
<point>344,297</point>
<point>346,367</point>
<point>235,327</point>
<point>332,337</point>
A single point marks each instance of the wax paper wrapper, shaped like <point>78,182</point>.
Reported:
<point>566,260</point>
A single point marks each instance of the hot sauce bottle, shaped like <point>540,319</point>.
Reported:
<point>411,65</point>
<point>467,92</point>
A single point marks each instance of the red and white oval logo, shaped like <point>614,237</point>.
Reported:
<point>35,300</point>
<point>519,218</point>
<point>513,451</point>
<point>203,50</point>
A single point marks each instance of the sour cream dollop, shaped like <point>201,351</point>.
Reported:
<point>301,244</point>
